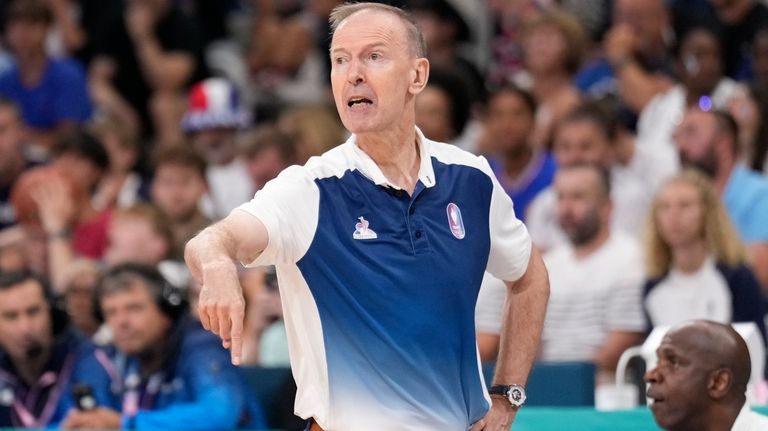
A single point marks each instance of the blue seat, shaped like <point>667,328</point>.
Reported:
<point>556,384</point>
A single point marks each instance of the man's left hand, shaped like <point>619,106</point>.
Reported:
<point>98,418</point>
<point>499,417</point>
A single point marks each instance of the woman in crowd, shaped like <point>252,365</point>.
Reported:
<point>695,261</point>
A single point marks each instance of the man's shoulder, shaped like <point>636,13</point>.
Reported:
<point>750,186</point>
<point>333,163</point>
<point>452,155</point>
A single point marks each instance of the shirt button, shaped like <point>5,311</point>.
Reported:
<point>418,234</point>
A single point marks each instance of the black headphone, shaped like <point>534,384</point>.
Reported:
<point>171,300</point>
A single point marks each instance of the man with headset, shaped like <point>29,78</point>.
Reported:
<point>167,372</point>
<point>41,356</point>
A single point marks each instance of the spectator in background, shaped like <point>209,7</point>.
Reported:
<point>173,374</point>
<point>739,22</point>
<point>121,185</point>
<point>591,135</point>
<point>708,141</point>
<point>595,309</point>
<point>696,263</point>
<point>12,159</point>
<point>443,108</point>
<point>178,185</point>
<point>698,62</point>
<point>54,206</point>
<point>78,25</point>
<point>142,234</point>
<point>637,49</point>
<point>41,356</point>
<point>143,65</point>
<point>214,117</point>
<point>51,93</point>
<point>444,31</point>
<point>315,129</point>
<point>701,380</point>
<point>553,44</point>
<point>267,151</point>
<point>294,71</point>
<point>79,294</point>
<point>82,158</point>
<point>522,169</point>
<point>509,18</point>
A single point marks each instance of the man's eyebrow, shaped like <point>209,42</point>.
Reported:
<point>365,48</point>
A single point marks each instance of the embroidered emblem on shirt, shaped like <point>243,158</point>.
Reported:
<point>455,221</point>
<point>362,231</point>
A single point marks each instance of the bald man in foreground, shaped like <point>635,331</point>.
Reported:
<point>701,380</point>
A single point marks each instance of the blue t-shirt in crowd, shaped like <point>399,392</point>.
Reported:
<point>746,199</point>
<point>538,176</point>
<point>61,94</point>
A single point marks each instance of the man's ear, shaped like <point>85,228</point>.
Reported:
<point>419,75</point>
<point>720,382</point>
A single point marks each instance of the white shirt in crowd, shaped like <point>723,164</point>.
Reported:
<point>705,294</point>
<point>591,297</point>
<point>228,187</point>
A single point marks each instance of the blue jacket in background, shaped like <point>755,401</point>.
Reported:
<point>199,388</point>
<point>72,361</point>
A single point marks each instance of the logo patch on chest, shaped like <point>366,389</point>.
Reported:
<point>362,231</point>
<point>455,222</point>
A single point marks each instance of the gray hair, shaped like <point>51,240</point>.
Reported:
<point>416,40</point>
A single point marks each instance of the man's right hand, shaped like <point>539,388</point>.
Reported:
<point>211,257</point>
<point>221,305</point>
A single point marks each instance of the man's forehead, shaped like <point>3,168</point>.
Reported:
<point>683,341</point>
<point>699,118</point>
<point>372,23</point>
<point>27,293</point>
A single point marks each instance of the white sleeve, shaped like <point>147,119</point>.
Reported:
<point>489,309</point>
<point>288,206</point>
<point>510,242</point>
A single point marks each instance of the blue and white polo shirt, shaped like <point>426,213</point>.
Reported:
<point>379,287</point>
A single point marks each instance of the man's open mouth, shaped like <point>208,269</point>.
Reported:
<point>359,101</point>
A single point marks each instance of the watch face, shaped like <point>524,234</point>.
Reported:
<point>516,395</point>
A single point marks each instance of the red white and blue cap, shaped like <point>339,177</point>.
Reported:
<point>214,103</point>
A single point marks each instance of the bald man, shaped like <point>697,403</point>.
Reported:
<point>701,380</point>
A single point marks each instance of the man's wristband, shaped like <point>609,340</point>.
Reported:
<point>62,234</point>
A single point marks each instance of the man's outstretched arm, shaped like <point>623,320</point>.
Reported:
<point>211,257</point>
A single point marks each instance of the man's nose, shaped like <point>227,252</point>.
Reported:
<point>355,74</point>
<point>652,376</point>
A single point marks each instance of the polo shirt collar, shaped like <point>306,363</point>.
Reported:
<point>365,164</point>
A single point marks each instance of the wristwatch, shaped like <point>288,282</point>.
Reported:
<point>515,394</point>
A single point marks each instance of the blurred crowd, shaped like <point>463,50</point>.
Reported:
<point>632,136</point>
